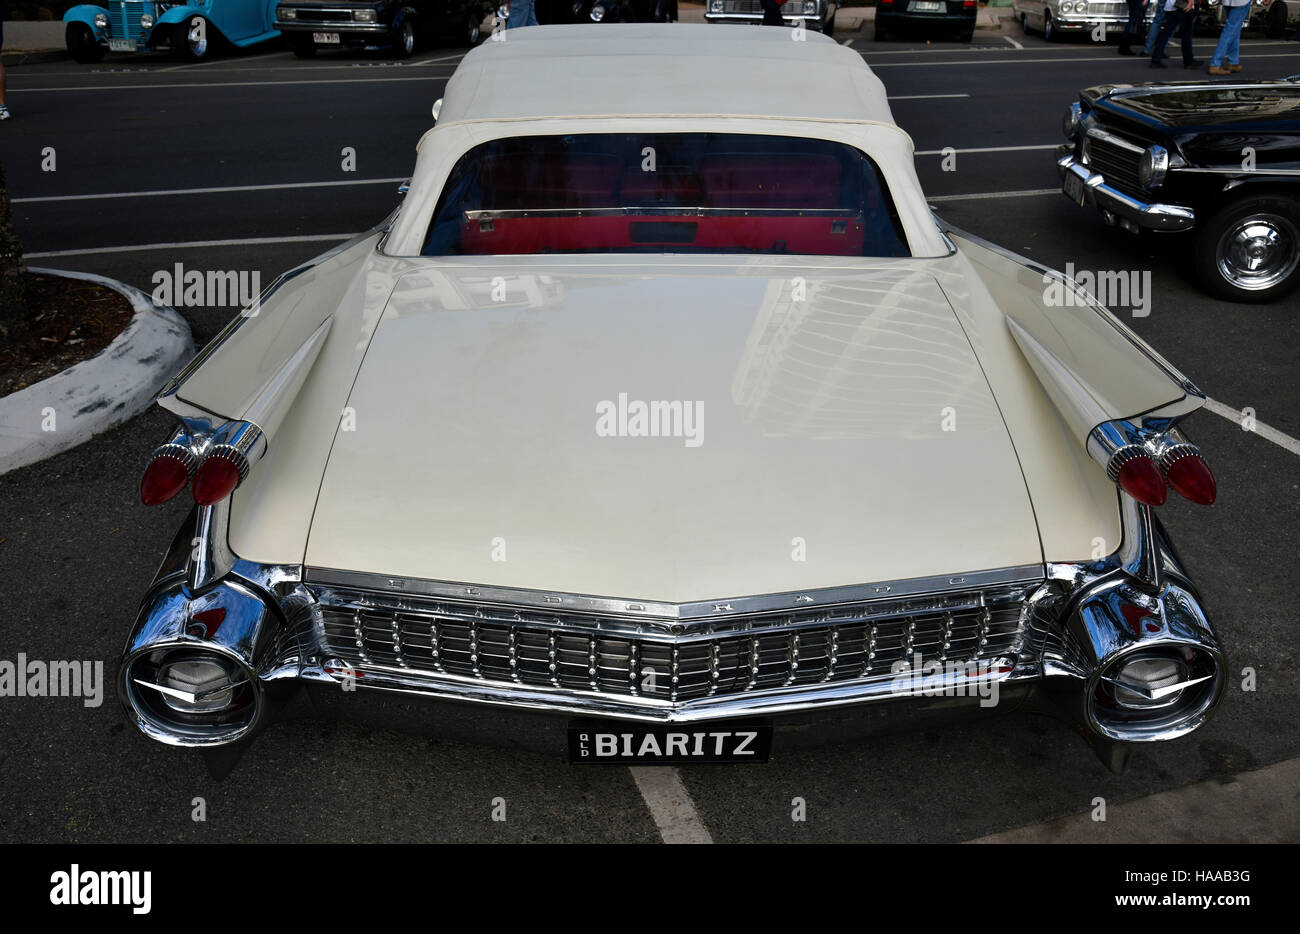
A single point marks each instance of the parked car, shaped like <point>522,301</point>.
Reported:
<point>188,30</point>
<point>1218,160</point>
<point>624,11</point>
<point>817,15</point>
<point>926,16</point>
<point>1056,19</point>
<point>1275,18</point>
<point>398,26</point>
<point>652,438</point>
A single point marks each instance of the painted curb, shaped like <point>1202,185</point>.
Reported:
<point>100,393</point>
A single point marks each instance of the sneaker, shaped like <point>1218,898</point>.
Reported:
<point>1234,68</point>
<point>4,112</point>
<point>1216,70</point>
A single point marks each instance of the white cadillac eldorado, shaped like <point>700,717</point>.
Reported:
<point>662,422</point>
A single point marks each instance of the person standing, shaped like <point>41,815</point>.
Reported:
<point>1177,13</point>
<point>1229,46</point>
<point>1135,10</point>
<point>522,13</point>
<point>1154,29</point>
<point>772,13</point>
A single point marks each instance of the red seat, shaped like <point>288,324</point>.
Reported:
<point>758,180</point>
<point>529,182</point>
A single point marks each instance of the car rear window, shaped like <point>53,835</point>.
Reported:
<point>665,193</point>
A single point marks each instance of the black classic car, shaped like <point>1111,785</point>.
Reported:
<point>1221,161</point>
<point>395,25</point>
<point>622,11</point>
<point>926,16</point>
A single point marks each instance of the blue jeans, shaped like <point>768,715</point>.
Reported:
<point>1229,46</point>
<point>522,14</point>
<point>1155,27</point>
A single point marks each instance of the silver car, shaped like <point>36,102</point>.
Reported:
<point>1058,18</point>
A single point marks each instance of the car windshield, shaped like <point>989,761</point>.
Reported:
<point>665,193</point>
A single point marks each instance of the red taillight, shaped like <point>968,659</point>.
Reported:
<point>215,479</point>
<point>1189,474</point>
<point>968,3</point>
<point>166,473</point>
<point>1138,475</point>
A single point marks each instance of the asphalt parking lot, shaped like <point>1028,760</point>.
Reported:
<point>239,164</point>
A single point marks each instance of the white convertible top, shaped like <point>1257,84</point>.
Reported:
<point>672,69</point>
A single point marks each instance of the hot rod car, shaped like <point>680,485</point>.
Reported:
<point>640,434</point>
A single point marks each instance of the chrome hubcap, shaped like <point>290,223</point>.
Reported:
<point>408,37</point>
<point>198,38</point>
<point>1259,251</point>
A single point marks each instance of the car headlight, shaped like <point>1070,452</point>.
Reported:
<point>715,6</point>
<point>101,20</point>
<point>146,21</point>
<point>597,13</point>
<point>810,7</point>
<point>1066,6</point>
<point>1153,166</point>
<point>364,16</point>
<point>1070,122</point>
<point>503,11</point>
<point>286,13</point>
<point>1081,6</point>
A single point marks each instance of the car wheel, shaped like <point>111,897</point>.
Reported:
<point>1049,30</point>
<point>880,35</point>
<point>404,38</point>
<point>191,39</point>
<point>473,30</point>
<point>828,28</point>
<point>1249,250</point>
<point>82,45</point>
<point>1276,26</point>
<point>966,37</point>
<point>1024,24</point>
<point>303,48</point>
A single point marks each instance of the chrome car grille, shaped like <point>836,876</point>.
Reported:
<point>124,18</point>
<point>1117,164</point>
<point>709,659</point>
<point>755,7</point>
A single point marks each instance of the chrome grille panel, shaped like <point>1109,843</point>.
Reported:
<point>1117,164</point>
<point>755,7</point>
<point>855,642</point>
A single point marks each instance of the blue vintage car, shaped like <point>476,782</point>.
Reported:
<point>189,30</point>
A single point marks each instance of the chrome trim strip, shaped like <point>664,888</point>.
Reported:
<point>722,608</point>
<point>655,210</point>
<point>1154,216</point>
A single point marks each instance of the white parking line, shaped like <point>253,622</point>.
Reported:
<point>1044,61</point>
<point>224,84</point>
<point>208,191</point>
<point>1014,43</point>
<point>191,244</point>
<point>981,195</point>
<point>922,97</point>
<point>670,805</point>
<point>1267,432</point>
<point>940,152</point>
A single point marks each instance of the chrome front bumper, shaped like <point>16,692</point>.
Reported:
<point>1085,187</point>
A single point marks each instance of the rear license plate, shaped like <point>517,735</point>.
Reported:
<point>325,38</point>
<point>121,45</point>
<point>621,744</point>
<point>1074,188</point>
<point>928,6</point>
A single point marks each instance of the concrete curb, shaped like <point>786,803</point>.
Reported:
<point>100,393</point>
